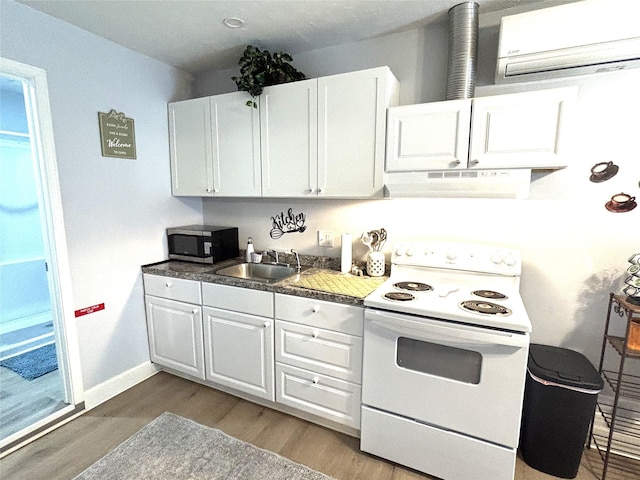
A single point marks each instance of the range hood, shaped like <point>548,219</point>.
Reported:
<point>459,184</point>
<point>573,39</point>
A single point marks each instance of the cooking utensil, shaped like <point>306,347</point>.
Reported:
<point>366,239</point>
<point>382,239</point>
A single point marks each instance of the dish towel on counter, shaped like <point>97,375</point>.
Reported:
<point>341,284</point>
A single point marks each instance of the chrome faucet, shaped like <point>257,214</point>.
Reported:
<point>273,254</point>
<point>295,252</point>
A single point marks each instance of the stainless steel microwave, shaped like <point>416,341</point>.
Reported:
<point>202,243</point>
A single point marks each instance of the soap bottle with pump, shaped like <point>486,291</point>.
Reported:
<point>249,249</point>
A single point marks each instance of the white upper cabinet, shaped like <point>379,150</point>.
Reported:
<point>289,136</point>
<point>190,144</point>
<point>351,132</point>
<point>215,147</point>
<point>429,136</point>
<point>521,130</point>
<point>235,130</point>
<point>313,138</point>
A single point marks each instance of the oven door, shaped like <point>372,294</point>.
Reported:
<point>457,377</point>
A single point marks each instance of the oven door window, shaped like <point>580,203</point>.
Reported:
<point>440,360</point>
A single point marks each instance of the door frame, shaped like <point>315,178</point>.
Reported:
<point>36,96</point>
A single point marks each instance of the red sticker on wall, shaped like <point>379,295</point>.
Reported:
<point>88,310</point>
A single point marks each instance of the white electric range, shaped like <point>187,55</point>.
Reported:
<point>445,354</point>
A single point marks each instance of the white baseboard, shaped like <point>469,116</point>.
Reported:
<point>118,384</point>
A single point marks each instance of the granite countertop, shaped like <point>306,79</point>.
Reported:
<point>319,279</point>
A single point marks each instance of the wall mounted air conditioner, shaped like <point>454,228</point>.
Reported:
<point>573,39</point>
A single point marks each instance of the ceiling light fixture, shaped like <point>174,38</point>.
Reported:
<point>233,22</point>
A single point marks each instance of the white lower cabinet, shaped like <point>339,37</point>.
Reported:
<point>175,327</point>
<point>320,395</point>
<point>238,339</point>
<point>300,353</point>
<point>239,351</point>
<point>319,358</point>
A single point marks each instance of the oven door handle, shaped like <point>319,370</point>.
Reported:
<point>459,334</point>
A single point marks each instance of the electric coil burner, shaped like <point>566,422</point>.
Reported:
<point>399,296</point>
<point>486,308</point>
<point>446,342</point>
<point>413,286</point>
<point>489,294</point>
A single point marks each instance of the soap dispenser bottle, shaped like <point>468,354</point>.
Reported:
<point>249,249</point>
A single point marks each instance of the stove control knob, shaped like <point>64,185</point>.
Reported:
<point>497,258</point>
<point>510,260</point>
<point>451,256</point>
<point>410,252</point>
<point>401,250</point>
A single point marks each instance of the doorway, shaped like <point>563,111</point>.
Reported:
<point>39,371</point>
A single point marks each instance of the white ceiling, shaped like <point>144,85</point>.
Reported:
<point>189,34</point>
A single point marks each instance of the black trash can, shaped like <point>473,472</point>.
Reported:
<point>559,402</point>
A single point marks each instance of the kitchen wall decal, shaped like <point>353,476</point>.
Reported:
<point>603,171</point>
<point>117,135</point>
<point>287,223</point>
<point>621,202</point>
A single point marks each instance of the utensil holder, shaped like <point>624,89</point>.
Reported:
<point>375,264</point>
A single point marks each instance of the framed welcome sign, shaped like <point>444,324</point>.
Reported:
<point>117,135</point>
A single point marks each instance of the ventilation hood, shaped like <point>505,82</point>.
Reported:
<point>573,39</point>
<point>459,184</point>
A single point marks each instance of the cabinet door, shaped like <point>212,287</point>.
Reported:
<point>429,136</point>
<point>320,395</point>
<point>175,335</point>
<point>289,139</point>
<point>239,351</point>
<point>351,132</point>
<point>236,146</point>
<point>521,130</point>
<point>190,146</point>
<point>331,353</point>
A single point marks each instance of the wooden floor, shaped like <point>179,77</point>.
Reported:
<point>25,402</point>
<point>67,451</point>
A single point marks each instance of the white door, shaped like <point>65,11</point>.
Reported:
<point>28,89</point>
<point>458,377</point>
<point>175,335</point>
<point>236,146</point>
<point>521,130</point>
<point>239,351</point>
<point>351,132</point>
<point>289,139</point>
<point>429,136</point>
<point>190,144</point>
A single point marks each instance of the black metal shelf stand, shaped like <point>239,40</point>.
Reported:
<point>621,445</point>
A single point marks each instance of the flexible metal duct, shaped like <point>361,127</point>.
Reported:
<point>463,51</point>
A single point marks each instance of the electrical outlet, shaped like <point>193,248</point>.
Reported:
<point>325,238</point>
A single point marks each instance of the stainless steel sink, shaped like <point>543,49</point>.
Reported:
<point>259,272</point>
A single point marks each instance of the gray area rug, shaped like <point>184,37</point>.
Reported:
<point>172,447</point>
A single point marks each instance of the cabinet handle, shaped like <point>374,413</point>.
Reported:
<point>315,309</point>
<point>315,380</point>
<point>314,334</point>
<point>194,311</point>
<point>321,190</point>
<point>475,162</point>
<point>457,162</point>
<point>216,190</point>
<point>311,190</point>
<point>168,284</point>
<point>208,190</point>
<point>266,325</point>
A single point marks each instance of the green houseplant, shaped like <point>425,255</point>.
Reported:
<point>260,68</point>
